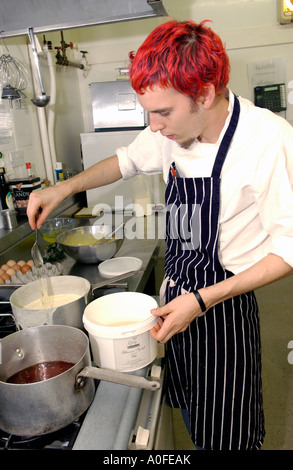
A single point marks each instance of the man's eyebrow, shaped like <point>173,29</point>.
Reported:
<point>162,110</point>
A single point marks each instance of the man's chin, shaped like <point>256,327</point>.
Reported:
<point>186,143</point>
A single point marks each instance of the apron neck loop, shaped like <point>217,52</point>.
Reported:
<point>227,139</point>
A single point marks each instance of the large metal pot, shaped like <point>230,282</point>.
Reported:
<point>69,314</point>
<point>42,407</point>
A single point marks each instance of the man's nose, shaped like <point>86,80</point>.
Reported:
<point>156,123</point>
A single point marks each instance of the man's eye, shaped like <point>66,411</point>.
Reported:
<point>165,114</point>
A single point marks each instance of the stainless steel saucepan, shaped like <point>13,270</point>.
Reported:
<point>70,313</point>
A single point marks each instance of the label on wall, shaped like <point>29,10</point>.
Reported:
<point>267,72</point>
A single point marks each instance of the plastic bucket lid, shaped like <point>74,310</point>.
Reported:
<point>120,314</point>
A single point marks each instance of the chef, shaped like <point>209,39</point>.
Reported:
<point>228,168</point>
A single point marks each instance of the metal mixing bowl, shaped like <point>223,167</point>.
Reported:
<point>89,244</point>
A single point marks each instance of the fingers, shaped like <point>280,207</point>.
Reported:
<point>162,332</point>
<point>40,205</point>
<point>35,213</point>
<point>175,317</point>
<point>161,311</point>
<point>32,210</point>
<point>42,216</point>
<point>157,326</point>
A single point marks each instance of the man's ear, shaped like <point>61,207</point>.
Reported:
<point>208,96</point>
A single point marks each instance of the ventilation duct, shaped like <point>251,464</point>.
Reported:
<point>52,15</point>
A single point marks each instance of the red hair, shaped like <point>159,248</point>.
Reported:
<point>184,55</point>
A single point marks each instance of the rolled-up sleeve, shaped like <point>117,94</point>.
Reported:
<point>143,155</point>
<point>275,199</point>
<point>283,246</point>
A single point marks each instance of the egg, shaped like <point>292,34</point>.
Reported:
<point>10,263</point>
<point>5,276</point>
<point>1,271</point>
<point>5,267</point>
<point>16,267</point>
<point>21,262</point>
<point>25,268</point>
<point>1,280</point>
<point>10,272</point>
<point>30,263</point>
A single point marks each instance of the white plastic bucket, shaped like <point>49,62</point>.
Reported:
<point>118,325</point>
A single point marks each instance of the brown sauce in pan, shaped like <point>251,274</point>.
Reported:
<point>39,372</point>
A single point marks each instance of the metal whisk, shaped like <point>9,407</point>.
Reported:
<point>13,76</point>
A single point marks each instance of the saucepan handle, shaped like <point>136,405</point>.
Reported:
<point>116,377</point>
<point>109,281</point>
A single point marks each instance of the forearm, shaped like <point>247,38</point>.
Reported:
<point>103,173</point>
<point>269,269</point>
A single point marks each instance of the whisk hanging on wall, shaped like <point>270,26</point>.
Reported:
<point>14,77</point>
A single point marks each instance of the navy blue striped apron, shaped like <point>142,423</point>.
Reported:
<point>214,367</point>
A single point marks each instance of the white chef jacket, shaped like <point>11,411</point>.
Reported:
<point>256,211</point>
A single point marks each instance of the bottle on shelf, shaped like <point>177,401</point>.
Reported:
<point>59,171</point>
<point>29,170</point>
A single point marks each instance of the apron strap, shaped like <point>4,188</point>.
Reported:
<point>226,141</point>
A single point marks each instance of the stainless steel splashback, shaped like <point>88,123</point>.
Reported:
<point>115,107</point>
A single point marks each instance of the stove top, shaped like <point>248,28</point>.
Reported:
<point>7,323</point>
<point>62,439</point>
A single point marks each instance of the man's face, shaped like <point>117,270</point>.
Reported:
<point>174,114</point>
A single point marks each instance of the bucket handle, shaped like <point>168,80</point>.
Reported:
<point>116,377</point>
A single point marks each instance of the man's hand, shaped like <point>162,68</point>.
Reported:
<point>176,316</point>
<point>44,202</point>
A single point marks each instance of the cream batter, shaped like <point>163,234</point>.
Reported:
<point>52,301</point>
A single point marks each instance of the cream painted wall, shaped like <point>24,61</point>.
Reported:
<point>249,29</point>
